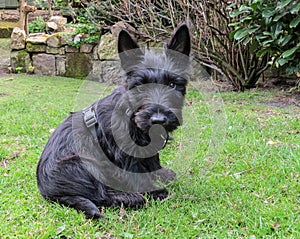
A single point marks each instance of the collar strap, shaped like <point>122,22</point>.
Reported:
<point>166,139</point>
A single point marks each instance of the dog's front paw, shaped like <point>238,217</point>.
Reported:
<point>131,200</point>
<point>165,175</point>
<point>159,194</point>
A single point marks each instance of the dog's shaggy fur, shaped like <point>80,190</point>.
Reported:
<point>115,161</point>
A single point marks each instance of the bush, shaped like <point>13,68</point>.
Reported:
<point>226,57</point>
<point>273,28</point>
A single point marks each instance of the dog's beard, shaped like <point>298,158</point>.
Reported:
<point>142,118</point>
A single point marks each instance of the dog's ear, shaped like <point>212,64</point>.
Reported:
<point>129,51</point>
<point>125,42</point>
<point>181,40</point>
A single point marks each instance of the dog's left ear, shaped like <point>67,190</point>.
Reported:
<point>129,51</point>
<point>181,40</point>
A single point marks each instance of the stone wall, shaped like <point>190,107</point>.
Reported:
<point>14,15</point>
<point>53,55</point>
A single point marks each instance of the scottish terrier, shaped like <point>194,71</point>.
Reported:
<point>107,154</point>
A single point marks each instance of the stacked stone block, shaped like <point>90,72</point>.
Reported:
<point>52,55</point>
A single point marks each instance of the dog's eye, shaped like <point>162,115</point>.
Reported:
<point>172,85</point>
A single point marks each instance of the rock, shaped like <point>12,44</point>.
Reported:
<point>59,20</point>
<point>18,39</point>
<point>60,65</point>
<point>35,48</point>
<point>51,27</point>
<point>105,71</point>
<point>78,65</point>
<point>53,41</point>
<point>95,74</point>
<point>37,38</point>
<point>56,24</point>
<point>77,38</point>
<point>111,72</point>
<point>107,48</point>
<point>21,60</point>
<point>5,32</point>
<point>11,15</point>
<point>55,50</point>
<point>115,29</point>
<point>86,48</point>
<point>44,64</point>
<point>71,49</point>
<point>65,38</point>
<point>36,42</point>
<point>96,55</point>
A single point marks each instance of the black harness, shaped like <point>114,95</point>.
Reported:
<point>90,121</point>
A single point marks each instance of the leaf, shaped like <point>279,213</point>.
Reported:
<point>295,9</point>
<point>290,52</point>
<point>60,229</point>
<point>241,33</point>
<point>267,43</point>
<point>282,61</point>
<point>231,35</point>
<point>245,43</point>
<point>294,23</point>
<point>278,29</point>
<point>272,143</point>
<point>269,12</point>
<point>262,52</point>
<point>278,17</point>
<point>283,40</point>
<point>267,33</point>
<point>283,4</point>
<point>235,13</point>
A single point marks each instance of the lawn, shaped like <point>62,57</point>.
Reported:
<point>238,166</point>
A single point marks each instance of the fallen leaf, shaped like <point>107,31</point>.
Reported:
<point>60,229</point>
<point>273,143</point>
<point>122,214</point>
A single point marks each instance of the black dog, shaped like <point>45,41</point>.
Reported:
<point>107,154</point>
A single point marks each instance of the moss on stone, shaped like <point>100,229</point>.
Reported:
<point>6,28</point>
<point>20,59</point>
<point>78,65</point>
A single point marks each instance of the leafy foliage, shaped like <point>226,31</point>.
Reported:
<point>273,28</point>
<point>37,25</point>
<point>84,33</point>
<point>224,57</point>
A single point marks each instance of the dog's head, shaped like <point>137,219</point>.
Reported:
<point>156,81</point>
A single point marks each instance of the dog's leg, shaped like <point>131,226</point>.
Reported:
<point>130,200</point>
<point>82,204</point>
<point>159,194</point>
<point>164,175</point>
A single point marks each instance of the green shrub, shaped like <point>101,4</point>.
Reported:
<point>37,25</point>
<point>273,28</point>
<point>89,34</point>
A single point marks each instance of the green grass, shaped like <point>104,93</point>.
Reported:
<point>4,24</point>
<point>4,47</point>
<point>248,189</point>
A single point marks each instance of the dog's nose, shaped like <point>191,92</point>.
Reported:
<point>158,119</point>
